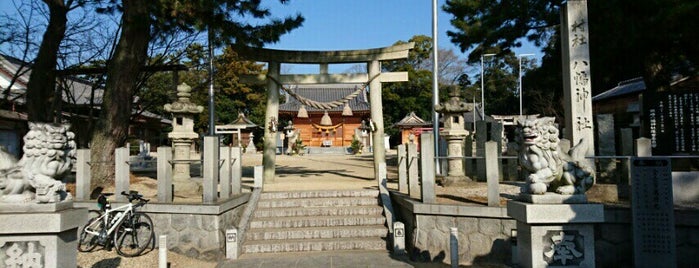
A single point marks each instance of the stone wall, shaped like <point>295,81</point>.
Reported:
<point>197,231</point>
<point>485,234</point>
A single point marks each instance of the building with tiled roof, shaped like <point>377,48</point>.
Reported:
<point>411,124</point>
<point>338,128</point>
<point>79,97</point>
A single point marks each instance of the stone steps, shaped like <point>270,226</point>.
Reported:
<point>317,194</point>
<point>317,232</point>
<point>329,244</point>
<point>316,221</point>
<point>318,211</point>
<point>318,202</point>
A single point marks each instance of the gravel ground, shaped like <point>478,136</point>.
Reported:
<point>110,259</point>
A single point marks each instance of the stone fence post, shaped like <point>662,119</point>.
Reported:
<point>412,163</point>
<point>121,173</point>
<point>402,169</point>
<point>492,173</point>
<point>428,171</point>
<point>165,187</point>
<point>236,170</point>
<point>225,174</point>
<point>211,169</point>
<point>82,175</point>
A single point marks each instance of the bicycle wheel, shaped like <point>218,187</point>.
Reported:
<point>88,241</point>
<point>134,234</point>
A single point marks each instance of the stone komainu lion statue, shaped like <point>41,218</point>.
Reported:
<point>546,166</point>
<point>49,150</point>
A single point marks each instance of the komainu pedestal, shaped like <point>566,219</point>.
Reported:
<point>40,235</point>
<point>560,235</point>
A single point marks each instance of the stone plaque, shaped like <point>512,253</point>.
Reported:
<point>653,214</point>
<point>22,254</point>
<point>563,248</point>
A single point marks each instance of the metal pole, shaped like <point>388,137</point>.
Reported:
<point>435,85</point>
<point>212,123</point>
<point>482,90</point>
<point>520,86</point>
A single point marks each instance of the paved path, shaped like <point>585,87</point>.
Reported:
<point>334,259</point>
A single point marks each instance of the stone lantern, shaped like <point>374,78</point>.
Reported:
<point>183,136</point>
<point>454,132</point>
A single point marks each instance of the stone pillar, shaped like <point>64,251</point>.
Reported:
<point>121,174</point>
<point>606,145</point>
<point>82,175</point>
<point>236,170</point>
<point>374,69</point>
<point>492,168</point>
<point>413,175</point>
<point>555,235</point>
<point>402,169</point>
<point>271,116</point>
<point>428,171</point>
<point>481,138</point>
<point>577,89</point>
<point>165,192</point>
<point>211,169</point>
<point>225,174</point>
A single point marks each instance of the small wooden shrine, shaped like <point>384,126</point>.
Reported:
<point>240,130</point>
<point>412,124</point>
<point>334,127</point>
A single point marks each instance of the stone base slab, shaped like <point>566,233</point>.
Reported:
<point>555,213</point>
<point>552,198</point>
<point>35,207</point>
<point>40,239</point>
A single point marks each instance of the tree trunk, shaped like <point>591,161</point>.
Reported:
<point>40,94</point>
<point>122,72</point>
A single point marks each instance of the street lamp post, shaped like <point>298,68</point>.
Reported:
<point>520,80</point>
<point>483,85</point>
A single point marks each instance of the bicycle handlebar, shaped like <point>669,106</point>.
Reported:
<point>133,195</point>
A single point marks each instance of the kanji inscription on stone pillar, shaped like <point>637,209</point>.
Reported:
<point>576,74</point>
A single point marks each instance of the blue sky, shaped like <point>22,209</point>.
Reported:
<point>362,24</point>
<point>356,24</point>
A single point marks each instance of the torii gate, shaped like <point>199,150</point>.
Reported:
<point>274,80</point>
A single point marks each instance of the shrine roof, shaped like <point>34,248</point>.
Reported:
<point>623,88</point>
<point>325,93</point>
<point>412,120</point>
<point>242,122</point>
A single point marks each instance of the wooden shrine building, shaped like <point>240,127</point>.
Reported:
<point>240,130</point>
<point>412,124</point>
<point>334,127</point>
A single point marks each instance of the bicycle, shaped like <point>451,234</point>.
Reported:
<point>129,231</point>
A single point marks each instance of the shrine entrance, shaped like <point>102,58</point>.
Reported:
<point>275,81</point>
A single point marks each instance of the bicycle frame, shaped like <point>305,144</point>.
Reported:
<point>110,223</point>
